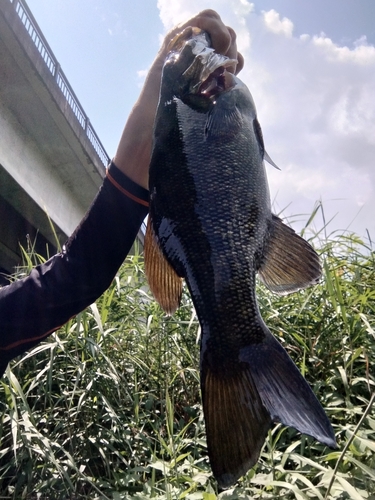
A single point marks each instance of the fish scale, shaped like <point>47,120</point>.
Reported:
<point>226,283</point>
<point>210,223</point>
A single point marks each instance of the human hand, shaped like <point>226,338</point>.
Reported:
<point>223,38</point>
<point>134,150</point>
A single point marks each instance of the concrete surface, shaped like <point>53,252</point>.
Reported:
<point>48,164</point>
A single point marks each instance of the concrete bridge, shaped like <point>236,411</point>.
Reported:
<point>51,160</point>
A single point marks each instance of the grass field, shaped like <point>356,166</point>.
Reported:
<point>109,406</point>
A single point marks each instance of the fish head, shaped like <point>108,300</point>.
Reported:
<point>194,72</point>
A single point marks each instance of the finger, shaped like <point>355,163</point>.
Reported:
<point>177,41</point>
<point>240,63</point>
<point>232,49</point>
<point>221,39</point>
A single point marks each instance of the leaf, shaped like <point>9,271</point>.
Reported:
<point>366,470</point>
<point>283,484</point>
<point>159,465</point>
<point>98,319</point>
<point>353,493</point>
<point>307,482</point>
<point>209,496</point>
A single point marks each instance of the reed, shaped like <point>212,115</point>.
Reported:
<point>109,406</point>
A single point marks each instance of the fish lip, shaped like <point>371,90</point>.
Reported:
<point>208,67</point>
<point>207,74</point>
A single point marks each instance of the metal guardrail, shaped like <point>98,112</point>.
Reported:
<point>52,64</point>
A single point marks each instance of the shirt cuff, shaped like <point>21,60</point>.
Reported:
<point>128,187</point>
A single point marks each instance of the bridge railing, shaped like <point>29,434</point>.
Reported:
<point>52,64</point>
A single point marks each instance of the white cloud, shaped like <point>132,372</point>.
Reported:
<point>316,106</point>
<point>276,25</point>
<point>172,13</point>
<point>141,76</point>
<point>233,12</point>
<point>361,54</point>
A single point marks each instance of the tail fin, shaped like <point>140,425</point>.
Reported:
<point>239,408</point>
<point>283,390</point>
<point>236,424</point>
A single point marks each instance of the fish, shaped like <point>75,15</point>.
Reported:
<point>210,223</point>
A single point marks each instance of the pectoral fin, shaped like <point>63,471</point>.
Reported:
<point>291,263</point>
<point>270,160</point>
<point>223,122</point>
<point>164,282</point>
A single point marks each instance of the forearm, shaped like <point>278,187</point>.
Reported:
<point>134,150</point>
<point>32,308</point>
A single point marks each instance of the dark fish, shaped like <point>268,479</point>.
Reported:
<point>211,223</point>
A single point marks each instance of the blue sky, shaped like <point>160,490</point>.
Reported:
<point>310,66</point>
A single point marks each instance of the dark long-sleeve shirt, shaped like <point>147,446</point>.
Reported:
<point>34,307</point>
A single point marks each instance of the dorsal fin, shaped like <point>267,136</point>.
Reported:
<point>290,263</point>
<point>164,282</point>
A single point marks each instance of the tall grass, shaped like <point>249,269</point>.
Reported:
<point>109,406</point>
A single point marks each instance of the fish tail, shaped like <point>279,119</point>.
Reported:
<point>265,387</point>
<point>236,423</point>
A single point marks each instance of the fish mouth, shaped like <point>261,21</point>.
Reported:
<point>207,73</point>
<point>220,80</point>
<point>210,74</point>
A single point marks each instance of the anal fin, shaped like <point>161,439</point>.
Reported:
<point>291,263</point>
<point>164,282</point>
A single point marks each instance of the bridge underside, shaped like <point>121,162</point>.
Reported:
<point>15,234</point>
<point>48,165</point>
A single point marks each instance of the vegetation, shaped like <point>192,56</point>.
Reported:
<point>109,406</point>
